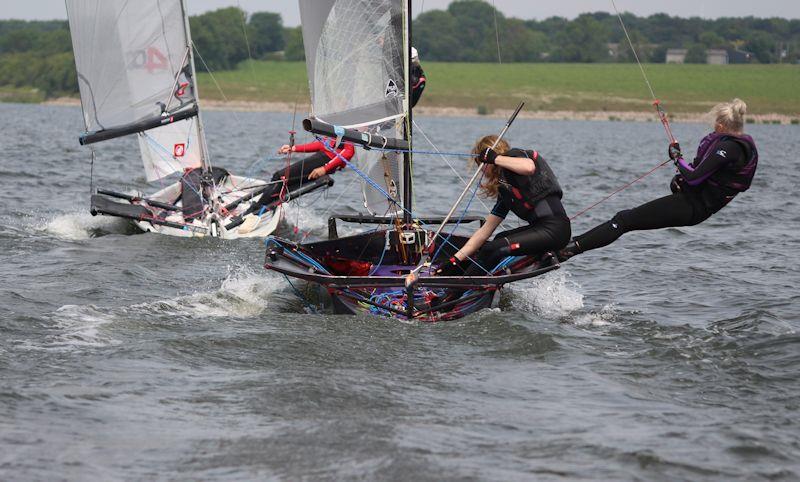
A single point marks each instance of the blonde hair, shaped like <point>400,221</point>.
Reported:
<point>491,174</point>
<point>730,115</point>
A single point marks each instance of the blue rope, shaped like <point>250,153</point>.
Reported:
<point>296,254</point>
<point>431,153</point>
<point>366,178</point>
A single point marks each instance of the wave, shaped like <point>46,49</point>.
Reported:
<point>80,225</point>
<point>551,295</point>
<point>243,294</point>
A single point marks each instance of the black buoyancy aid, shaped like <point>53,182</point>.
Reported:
<point>521,193</point>
<point>737,176</point>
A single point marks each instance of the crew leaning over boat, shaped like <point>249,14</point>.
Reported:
<point>724,166</point>
<point>523,183</point>
<point>418,79</point>
<point>318,164</point>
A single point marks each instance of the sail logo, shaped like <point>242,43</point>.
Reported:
<point>391,89</point>
<point>150,58</point>
<point>179,150</point>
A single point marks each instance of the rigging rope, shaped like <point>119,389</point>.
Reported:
<point>657,103</point>
<point>661,114</point>
<point>375,185</point>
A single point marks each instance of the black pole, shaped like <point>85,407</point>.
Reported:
<point>408,190</point>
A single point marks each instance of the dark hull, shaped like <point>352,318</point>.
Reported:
<point>367,274</point>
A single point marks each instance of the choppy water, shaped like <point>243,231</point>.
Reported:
<point>669,355</point>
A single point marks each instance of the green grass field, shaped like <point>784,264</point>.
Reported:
<point>549,87</point>
<point>22,95</point>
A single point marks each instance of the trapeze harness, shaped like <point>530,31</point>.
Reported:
<point>297,174</point>
<point>724,167</point>
<point>534,198</point>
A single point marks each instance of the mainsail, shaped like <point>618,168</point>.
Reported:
<point>356,56</point>
<point>136,75</point>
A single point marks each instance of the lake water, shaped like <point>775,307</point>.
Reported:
<point>672,354</point>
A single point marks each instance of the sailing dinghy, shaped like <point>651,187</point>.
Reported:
<point>136,75</point>
<point>358,56</point>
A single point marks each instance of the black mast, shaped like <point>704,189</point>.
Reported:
<point>407,128</point>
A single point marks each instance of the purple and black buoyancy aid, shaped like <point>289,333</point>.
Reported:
<point>737,176</point>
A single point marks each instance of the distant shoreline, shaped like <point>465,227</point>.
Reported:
<point>629,116</point>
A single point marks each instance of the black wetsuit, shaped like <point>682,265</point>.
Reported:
<point>194,195</point>
<point>297,176</point>
<point>699,190</point>
<point>417,82</point>
<point>535,199</point>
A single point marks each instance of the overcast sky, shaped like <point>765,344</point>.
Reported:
<point>51,9</point>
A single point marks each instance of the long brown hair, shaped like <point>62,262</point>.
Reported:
<point>491,173</point>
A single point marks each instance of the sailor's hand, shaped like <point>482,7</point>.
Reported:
<point>285,149</point>
<point>451,267</point>
<point>676,185</point>
<point>316,173</point>
<point>674,151</point>
<point>489,156</point>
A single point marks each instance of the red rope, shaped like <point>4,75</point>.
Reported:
<point>626,186</point>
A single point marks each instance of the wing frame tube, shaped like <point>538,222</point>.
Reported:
<point>136,127</point>
<point>364,139</point>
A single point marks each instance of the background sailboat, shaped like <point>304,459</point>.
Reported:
<point>136,75</point>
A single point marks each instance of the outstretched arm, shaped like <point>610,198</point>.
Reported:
<point>479,237</point>
<point>726,152</point>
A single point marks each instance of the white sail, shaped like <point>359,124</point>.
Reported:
<point>356,60</point>
<point>354,57</point>
<point>134,71</point>
<point>170,148</point>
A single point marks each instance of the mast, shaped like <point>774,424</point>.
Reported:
<point>204,158</point>
<point>408,191</point>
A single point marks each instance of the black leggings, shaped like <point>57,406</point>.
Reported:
<point>679,209</point>
<point>547,234</point>
<point>297,176</point>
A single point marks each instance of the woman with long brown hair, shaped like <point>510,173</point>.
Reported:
<point>723,167</point>
<point>523,183</point>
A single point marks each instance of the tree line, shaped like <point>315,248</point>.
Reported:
<point>466,32</point>
<point>39,53</point>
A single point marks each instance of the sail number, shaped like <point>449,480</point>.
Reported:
<point>150,58</point>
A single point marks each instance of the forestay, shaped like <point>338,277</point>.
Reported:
<point>135,73</point>
<point>355,56</point>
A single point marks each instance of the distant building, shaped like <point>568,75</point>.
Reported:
<point>676,56</point>
<point>736,56</point>
<point>717,56</point>
<point>613,50</point>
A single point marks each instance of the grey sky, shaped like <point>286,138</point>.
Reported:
<point>52,9</point>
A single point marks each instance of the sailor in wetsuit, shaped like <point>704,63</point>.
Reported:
<point>523,183</point>
<point>724,166</point>
<point>417,78</point>
<point>321,162</point>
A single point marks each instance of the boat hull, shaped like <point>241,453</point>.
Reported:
<point>372,281</point>
<point>163,211</point>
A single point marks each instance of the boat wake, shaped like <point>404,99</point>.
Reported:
<point>554,296</point>
<point>80,225</point>
<point>551,295</point>
<point>76,327</point>
<point>243,294</point>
